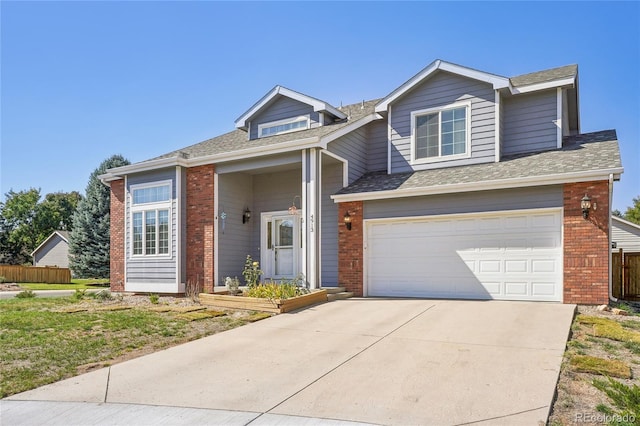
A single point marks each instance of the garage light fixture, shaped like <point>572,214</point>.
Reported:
<point>347,220</point>
<point>585,203</point>
<point>246,215</point>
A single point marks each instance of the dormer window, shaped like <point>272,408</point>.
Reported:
<point>279,127</point>
<point>440,133</point>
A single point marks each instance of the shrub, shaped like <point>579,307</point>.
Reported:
<point>625,398</point>
<point>232,284</point>
<point>251,272</point>
<point>26,294</point>
<point>154,298</point>
<point>79,294</point>
<point>274,290</point>
<point>2,280</point>
<point>103,295</point>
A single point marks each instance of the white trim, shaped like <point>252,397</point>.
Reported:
<point>117,172</point>
<point>569,81</point>
<point>313,218</point>
<point>291,120</point>
<point>324,141</point>
<point>555,179</point>
<point>216,229</point>
<point>317,105</point>
<point>345,166</point>
<point>127,210</point>
<point>179,266</point>
<point>319,222</point>
<point>454,216</point>
<point>47,240</point>
<point>498,82</point>
<point>303,206</point>
<point>497,123</point>
<point>389,133</point>
<point>610,288</point>
<point>439,110</point>
<point>153,206</point>
<point>558,121</point>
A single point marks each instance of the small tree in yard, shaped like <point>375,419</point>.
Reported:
<point>89,240</point>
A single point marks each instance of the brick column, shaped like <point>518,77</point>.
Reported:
<point>586,244</point>
<point>116,244</point>
<point>200,223</point>
<point>350,248</point>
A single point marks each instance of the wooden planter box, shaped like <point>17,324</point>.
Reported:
<point>277,306</point>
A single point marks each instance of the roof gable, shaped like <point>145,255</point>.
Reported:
<point>63,235</point>
<point>626,225</point>
<point>266,100</point>
<point>498,82</point>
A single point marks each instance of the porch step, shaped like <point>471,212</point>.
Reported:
<point>334,290</point>
<point>339,296</point>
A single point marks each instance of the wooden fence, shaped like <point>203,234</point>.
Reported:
<point>35,274</point>
<point>625,278</point>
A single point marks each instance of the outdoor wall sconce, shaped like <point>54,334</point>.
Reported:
<point>293,209</point>
<point>246,215</point>
<point>585,203</point>
<point>347,221</point>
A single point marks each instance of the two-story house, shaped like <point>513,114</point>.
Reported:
<point>458,184</point>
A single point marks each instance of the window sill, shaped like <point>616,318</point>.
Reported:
<point>432,160</point>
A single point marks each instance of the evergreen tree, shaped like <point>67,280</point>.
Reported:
<point>89,239</point>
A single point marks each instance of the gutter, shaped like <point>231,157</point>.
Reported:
<point>481,186</point>
<point>609,243</point>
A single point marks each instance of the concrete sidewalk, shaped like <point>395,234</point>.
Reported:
<point>359,360</point>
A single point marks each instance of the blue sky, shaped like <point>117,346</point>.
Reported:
<point>84,80</point>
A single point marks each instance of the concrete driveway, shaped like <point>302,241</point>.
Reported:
<point>380,361</point>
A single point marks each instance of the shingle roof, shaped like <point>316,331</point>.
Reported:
<point>581,153</point>
<point>559,73</point>
<point>237,139</point>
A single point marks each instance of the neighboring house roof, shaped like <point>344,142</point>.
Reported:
<point>581,158</point>
<point>317,104</point>
<point>236,143</point>
<point>62,234</point>
<point>626,222</point>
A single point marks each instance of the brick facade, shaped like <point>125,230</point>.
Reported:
<point>116,244</point>
<point>350,248</point>
<point>200,226</point>
<point>586,244</point>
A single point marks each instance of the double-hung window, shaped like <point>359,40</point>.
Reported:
<point>442,133</point>
<point>150,219</point>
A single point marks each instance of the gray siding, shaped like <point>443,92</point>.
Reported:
<point>529,122</point>
<point>468,202</point>
<point>331,183</point>
<point>273,192</point>
<point>353,148</point>
<point>235,240</point>
<point>54,253</point>
<point>440,90</point>
<point>626,236</point>
<point>151,270</point>
<point>377,146</point>
<point>280,109</point>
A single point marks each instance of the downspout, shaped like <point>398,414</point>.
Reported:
<point>609,244</point>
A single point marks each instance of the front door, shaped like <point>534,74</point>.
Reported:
<point>280,251</point>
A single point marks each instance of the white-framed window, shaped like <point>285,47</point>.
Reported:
<point>151,219</point>
<point>441,133</point>
<point>283,126</point>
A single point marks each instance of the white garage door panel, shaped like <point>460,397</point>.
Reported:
<point>498,256</point>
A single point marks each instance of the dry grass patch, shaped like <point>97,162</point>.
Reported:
<point>259,316</point>
<point>112,308</point>
<point>601,366</point>
<point>611,329</point>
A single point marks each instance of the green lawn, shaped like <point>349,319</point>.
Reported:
<point>49,339</point>
<point>76,284</point>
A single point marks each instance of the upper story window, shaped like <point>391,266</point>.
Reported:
<point>440,133</point>
<point>151,219</point>
<point>283,126</point>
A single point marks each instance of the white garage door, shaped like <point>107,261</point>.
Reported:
<point>509,256</point>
